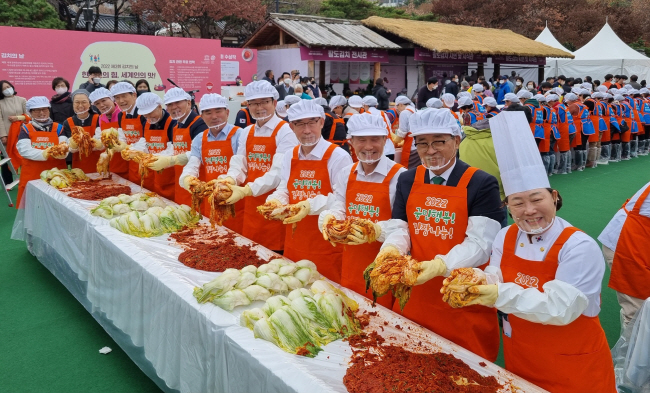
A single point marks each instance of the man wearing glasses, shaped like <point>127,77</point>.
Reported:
<point>306,179</point>
<point>257,162</point>
<point>450,214</point>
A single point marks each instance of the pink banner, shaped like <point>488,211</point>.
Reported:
<point>343,54</point>
<point>31,58</point>
<point>519,60</point>
<point>238,63</point>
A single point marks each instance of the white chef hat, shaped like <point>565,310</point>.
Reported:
<point>628,87</point>
<point>517,154</point>
<point>602,89</point>
<point>281,109</point>
<point>490,101</point>
<point>367,124</point>
<point>37,102</point>
<point>448,99</point>
<point>576,89</point>
<point>465,101</point>
<point>434,121</point>
<point>292,99</point>
<point>176,94</point>
<point>320,101</point>
<point>512,97</point>
<point>436,103</point>
<point>305,109</point>
<point>540,97</point>
<point>276,95</point>
<point>147,102</point>
<point>338,101</point>
<point>100,93</point>
<point>634,92</point>
<point>477,88</point>
<point>570,97</point>
<point>586,85</point>
<point>464,94</point>
<point>121,88</point>
<point>552,97</point>
<point>585,92</point>
<point>403,100</point>
<point>370,100</point>
<point>644,90</point>
<point>619,97</point>
<point>355,102</point>
<point>558,90</point>
<point>212,101</point>
<point>259,89</point>
<point>524,94</point>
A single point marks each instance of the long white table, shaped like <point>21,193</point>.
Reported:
<point>142,295</point>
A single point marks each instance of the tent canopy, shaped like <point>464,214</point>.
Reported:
<point>546,37</point>
<point>607,46</point>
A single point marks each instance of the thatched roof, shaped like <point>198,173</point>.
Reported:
<point>447,38</point>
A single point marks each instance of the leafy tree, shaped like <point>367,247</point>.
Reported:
<point>362,9</point>
<point>29,13</point>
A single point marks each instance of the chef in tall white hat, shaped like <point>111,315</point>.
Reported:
<point>405,109</point>
<point>364,190</point>
<point>446,213</point>
<point>545,275</point>
<point>370,106</point>
<point>306,179</point>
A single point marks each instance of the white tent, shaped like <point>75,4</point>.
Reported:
<point>605,54</point>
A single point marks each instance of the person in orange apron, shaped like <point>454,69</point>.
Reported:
<point>211,153</point>
<point>637,106</point>
<point>306,179</point>
<point>479,96</point>
<point>596,116</point>
<point>405,109</point>
<point>644,142</point>
<point>337,105</point>
<point>354,107</point>
<point>629,117</point>
<point>567,129</point>
<point>364,190</point>
<point>370,105</point>
<point>551,135</point>
<point>545,276</point>
<point>157,139</point>
<point>244,118</point>
<point>622,239</point>
<point>447,214</point>
<point>169,164</point>
<point>102,99</point>
<point>35,142</point>
<point>467,114</point>
<point>254,170</point>
<point>89,121</point>
<point>129,121</point>
<point>617,136</point>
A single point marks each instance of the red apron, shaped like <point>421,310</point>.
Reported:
<point>369,201</point>
<point>86,164</point>
<point>133,131</point>
<point>259,157</point>
<point>631,267</point>
<point>563,123</point>
<point>215,159</point>
<point>12,140</point>
<point>406,147</point>
<point>182,144</point>
<point>307,179</point>
<point>161,183</point>
<point>437,222</point>
<point>561,359</point>
<point>31,170</point>
<point>118,165</point>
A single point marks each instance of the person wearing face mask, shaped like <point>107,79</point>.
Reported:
<point>502,88</point>
<point>447,214</point>
<point>285,87</point>
<point>545,276</point>
<point>84,118</point>
<point>13,113</point>
<point>366,186</point>
<point>94,79</point>
<point>35,142</point>
<point>102,99</point>
<point>334,129</point>
<point>337,105</point>
<point>129,122</point>
<point>406,109</point>
<point>452,87</point>
<point>313,87</point>
<point>61,102</point>
<point>370,106</point>
<point>244,117</point>
<point>211,153</point>
<point>255,168</point>
<point>430,90</point>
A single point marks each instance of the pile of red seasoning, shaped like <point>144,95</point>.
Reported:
<point>379,368</point>
<point>96,189</point>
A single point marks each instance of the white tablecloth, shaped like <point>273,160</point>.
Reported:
<point>140,289</point>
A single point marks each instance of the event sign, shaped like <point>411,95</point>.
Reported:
<point>447,57</point>
<point>519,60</point>
<point>343,54</point>
<point>238,63</point>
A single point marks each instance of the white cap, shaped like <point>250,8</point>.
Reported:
<point>37,102</point>
<point>608,96</point>
<point>465,101</point>
<point>558,90</point>
<point>448,99</point>
<point>517,154</point>
<point>176,94</point>
<point>613,90</point>
<point>436,103</point>
<point>644,91</point>
<point>292,99</point>
<point>276,95</point>
<point>576,89</point>
<point>147,102</point>
<point>619,97</point>
<point>512,97</point>
<point>403,100</point>
<point>570,97</point>
<point>320,101</point>
<point>596,95</point>
<point>602,89</point>
<point>98,94</point>
<point>370,100</point>
<point>477,88</point>
<point>338,101</point>
<point>434,121</point>
<point>464,94</point>
<point>525,94</point>
<point>552,97</point>
<point>586,85</point>
<point>281,109</point>
<point>490,101</point>
<point>540,97</point>
<point>585,92</point>
<point>634,91</point>
<point>121,88</point>
<point>305,109</point>
<point>355,102</point>
<point>259,89</point>
<point>629,87</point>
<point>367,124</point>
<point>212,101</point>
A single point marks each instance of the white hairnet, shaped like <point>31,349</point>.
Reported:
<point>281,109</point>
<point>435,103</point>
<point>176,94</point>
<point>292,99</point>
<point>490,101</point>
<point>338,101</point>
<point>525,94</point>
<point>465,101</point>
<point>448,99</point>
<point>259,89</point>
<point>512,97</point>
<point>147,102</point>
<point>121,88</point>
<point>37,102</point>
<point>355,102</point>
<point>403,100</point>
<point>370,101</point>
<point>433,121</point>
<point>212,101</point>
<point>305,109</point>
<point>367,124</point>
<point>477,88</point>
<point>100,93</point>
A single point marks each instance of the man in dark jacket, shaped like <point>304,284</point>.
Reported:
<point>94,79</point>
<point>427,92</point>
<point>381,94</point>
<point>268,76</point>
<point>284,87</point>
<point>452,86</point>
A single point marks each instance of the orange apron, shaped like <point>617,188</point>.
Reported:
<point>631,267</point>
<point>118,165</point>
<point>31,170</point>
<point>369,201</point>
<point>596,119</point>
<point>182,144</point>
<point>577,123</point>
<point>86,164</point>
<point>12,140</point>
<point>437,222</point>
<point>162,183</point>
<point>307,179</point>
<point>406,147</point>
<point>636,106</point>
<point>561,359</point>
<point>628,116</point>
<point>215,159</point>
<point>604,109</point>
<point>133,131</point>
<point>564,123</point>
<point>330,138</point>
<point>259,157</point>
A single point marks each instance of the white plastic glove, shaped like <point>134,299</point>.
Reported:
<point>488,295</point>
<point>181,159</point>
<point>162,162</point>
<point>305,208</point>
<point>239,193</point>
<point>430,269</point>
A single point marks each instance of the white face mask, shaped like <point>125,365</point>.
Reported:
<point>153,121</point>
<point>60,90</point>
<point>287,81</point>
<point>8,92</point>
<point>443,162</point>
<point>106,111</point>
<point>97,80</point>
<point>518,83</point>
<point>527,229</point>
<point>80,113</point>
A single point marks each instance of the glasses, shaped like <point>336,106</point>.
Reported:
<point>435,145</point>
<point>259,104</point>
<point>310,123</point>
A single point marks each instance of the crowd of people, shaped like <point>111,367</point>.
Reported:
<point>434,180</point>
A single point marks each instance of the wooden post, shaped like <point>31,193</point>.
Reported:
<point>480,71</point>
<point>377,71</point>
<point>311,68</point>
<point>540,74</point>
<point>281,37</point>
<point>321,75</point>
